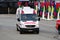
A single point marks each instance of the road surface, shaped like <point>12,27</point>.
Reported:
<point>8,30</point>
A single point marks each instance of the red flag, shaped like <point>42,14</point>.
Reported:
<point>35,3</point>
<point>47,4</point>
<point>57,5</point>
<point>19,3</point>
<point>42,4</point>
<point>26,3</point>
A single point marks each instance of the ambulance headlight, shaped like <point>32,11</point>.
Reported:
<point>22,25</point>
<point>37,25</point>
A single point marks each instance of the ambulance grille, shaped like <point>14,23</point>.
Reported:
<point>30,25</point>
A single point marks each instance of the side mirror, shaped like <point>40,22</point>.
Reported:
<point>18,19</point>
<point>38,19</point>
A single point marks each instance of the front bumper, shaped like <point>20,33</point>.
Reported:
<point>29,29</point>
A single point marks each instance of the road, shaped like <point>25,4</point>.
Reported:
<point>8,30</point>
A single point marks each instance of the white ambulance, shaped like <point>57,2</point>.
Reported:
<point>28,20</point>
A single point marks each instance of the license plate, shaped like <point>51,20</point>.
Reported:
<point>30,30</point>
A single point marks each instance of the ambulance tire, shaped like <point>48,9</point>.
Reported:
<point>37,31</point>
<point>21,32</point>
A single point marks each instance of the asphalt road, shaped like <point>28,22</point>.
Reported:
<point>8,30</point>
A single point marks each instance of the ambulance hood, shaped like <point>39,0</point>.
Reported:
<point>29,22</point>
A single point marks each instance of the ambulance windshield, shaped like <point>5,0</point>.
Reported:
<point>25,17</point>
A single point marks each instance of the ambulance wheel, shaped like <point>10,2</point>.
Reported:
<point>37,31</point>
<point>21,32</point>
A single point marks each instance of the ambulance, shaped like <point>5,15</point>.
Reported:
<point>28,20</point>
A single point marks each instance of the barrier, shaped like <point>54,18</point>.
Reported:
<point>43,15</point>
<point>50,11</point>
<point>58,14</point>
